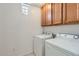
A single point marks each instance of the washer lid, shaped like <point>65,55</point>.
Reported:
<point>67,44</point>
<point>43,36</point>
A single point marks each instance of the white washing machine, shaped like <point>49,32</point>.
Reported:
<point>62,46</point>
<point>39,44</point>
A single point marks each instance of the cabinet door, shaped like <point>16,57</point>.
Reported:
<point>43,15</point>
<point>78,12</point>
<point>57,9</point>
<point>48,14</point>
<point>70,12</point>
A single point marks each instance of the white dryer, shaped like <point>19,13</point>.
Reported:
<point>39,44</point>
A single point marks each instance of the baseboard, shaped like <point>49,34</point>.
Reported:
<point>29,52</point>
<point>25,53</point>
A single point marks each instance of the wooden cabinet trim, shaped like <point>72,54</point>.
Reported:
<point>51,14</point>
<point>62,13</point>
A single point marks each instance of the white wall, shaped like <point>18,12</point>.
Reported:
<point>17,29</point>
<point>73,29</point>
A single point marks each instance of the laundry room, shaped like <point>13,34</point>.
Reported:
<point>39,29</point>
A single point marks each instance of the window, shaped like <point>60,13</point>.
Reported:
<point>25,8</point>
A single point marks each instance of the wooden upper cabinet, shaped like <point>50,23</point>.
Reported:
<point>70,13</point>
<point>78,12</point>
<point>57,13</point>
<point>48,14</point>
<point>43,15</point>
<point>52,14</point>
<point>60,13</point>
